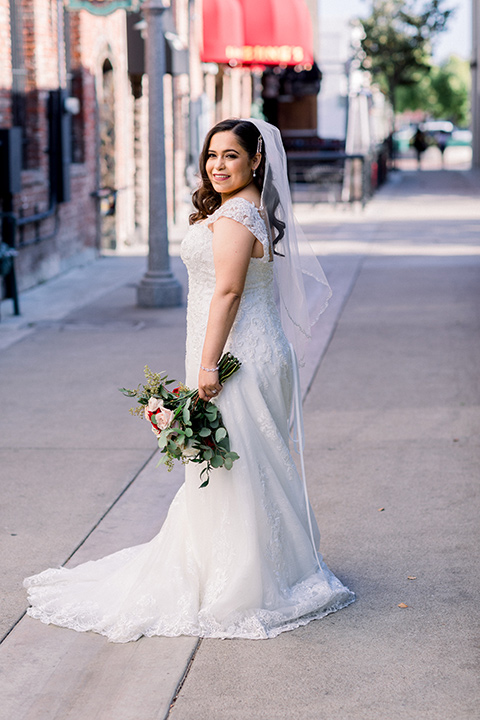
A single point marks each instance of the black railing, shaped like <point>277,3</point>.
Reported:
<point>343,177</point>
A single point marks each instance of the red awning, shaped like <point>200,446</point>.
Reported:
<point>222,28</point>
<point>257,32</point>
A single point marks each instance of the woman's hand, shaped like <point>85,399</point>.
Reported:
<point>208,385</point>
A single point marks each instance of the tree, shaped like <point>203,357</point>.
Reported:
<point>398,41</point>
<point>451,82</point>
<point>443,94</point>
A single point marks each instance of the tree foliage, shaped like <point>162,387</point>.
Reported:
<point>443,94</point>
<point>398,41</point>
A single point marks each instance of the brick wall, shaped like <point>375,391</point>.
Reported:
<point>5,65</point>
<point>71,236</point>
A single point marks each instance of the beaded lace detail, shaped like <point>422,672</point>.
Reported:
<point>247,214</point>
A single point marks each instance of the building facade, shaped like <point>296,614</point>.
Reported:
<point>64,84</point>
<point>74,112</point>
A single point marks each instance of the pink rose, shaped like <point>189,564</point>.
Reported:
<point>162,415</point>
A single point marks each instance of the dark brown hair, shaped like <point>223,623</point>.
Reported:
<point>206,200</point>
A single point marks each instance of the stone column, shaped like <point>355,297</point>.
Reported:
<point>158,287</point>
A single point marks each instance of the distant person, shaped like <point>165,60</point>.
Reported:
<point>419,142</point>
<point>441,139</point>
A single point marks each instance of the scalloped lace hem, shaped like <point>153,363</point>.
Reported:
<point>251,628</point>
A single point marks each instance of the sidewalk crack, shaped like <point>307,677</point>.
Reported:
<point>181,682</point>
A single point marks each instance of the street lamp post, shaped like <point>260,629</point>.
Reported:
<point>158,287</point>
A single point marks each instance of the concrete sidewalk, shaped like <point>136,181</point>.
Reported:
<point>392,419</point>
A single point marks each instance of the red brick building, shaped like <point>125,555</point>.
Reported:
<point>44,48</point>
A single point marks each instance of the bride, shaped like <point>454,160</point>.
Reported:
<point>237,559</point>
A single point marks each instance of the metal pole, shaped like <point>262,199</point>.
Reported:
<point>158,287</point>
<point>475,63</point>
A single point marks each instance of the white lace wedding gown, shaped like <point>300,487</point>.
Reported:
<point>234,559</point>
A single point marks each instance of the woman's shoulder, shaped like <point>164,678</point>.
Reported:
<point>237,208</point>
<point>244,211</point>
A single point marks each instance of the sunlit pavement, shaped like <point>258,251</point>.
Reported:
<point>392,423</point>
<point>456,157</point>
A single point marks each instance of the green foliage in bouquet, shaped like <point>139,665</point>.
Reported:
<point>187,428</point>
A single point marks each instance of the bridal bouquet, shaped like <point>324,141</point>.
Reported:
<point>187,428</point>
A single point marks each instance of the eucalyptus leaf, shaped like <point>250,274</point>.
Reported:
<point>205,432</point>
<point>128,393</point>
<point>162,439</point>
<point>220,434</point>
<point>205,472</point>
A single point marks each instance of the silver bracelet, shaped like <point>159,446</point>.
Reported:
<point>209,369</point>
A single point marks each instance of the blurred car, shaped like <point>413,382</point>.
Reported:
<point>461,137</point>
<point>435,126</point>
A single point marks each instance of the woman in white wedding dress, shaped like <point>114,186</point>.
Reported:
<point>239,557</point>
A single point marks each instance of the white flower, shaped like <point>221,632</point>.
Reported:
<point>188,451</point>
<point>186,446</point>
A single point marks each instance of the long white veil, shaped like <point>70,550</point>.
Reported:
<point>303,290</point>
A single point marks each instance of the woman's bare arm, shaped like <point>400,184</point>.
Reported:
<point>232,251</point>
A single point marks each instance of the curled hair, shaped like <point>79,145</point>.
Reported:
<point>206,199</point>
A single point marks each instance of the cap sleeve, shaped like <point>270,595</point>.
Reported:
<point>245,213</point>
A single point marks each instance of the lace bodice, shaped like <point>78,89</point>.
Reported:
<point>256,334</point>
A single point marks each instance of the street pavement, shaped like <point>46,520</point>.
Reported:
<point>392,417</point>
